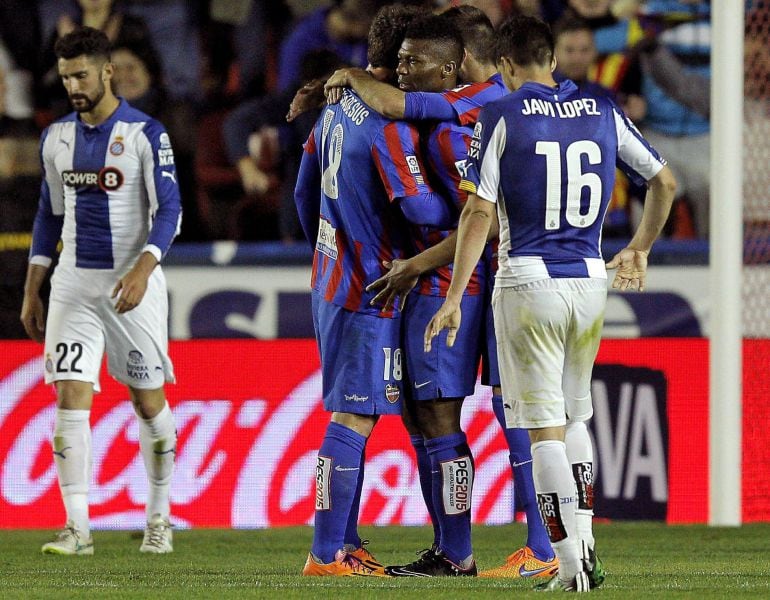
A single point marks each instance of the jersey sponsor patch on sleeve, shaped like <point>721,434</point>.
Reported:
<point>414,168</point>
<point>165,156</point>
<point>165,152</point>
<point>475,147</point>
<point>462,168</point>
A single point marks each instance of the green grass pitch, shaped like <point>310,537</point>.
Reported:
<point>643,560</point>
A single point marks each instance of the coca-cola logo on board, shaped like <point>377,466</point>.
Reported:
<point>249,433</point>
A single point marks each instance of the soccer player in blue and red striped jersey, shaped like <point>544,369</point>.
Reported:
<point>535,558</point>
<point>361,181</point>
<point>429,59</point>
<point>462,104</point>
<point>544,156</point>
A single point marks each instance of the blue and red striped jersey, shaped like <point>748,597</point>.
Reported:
<point>461,104</point>
<point>372,184</point>
<point>446,151</point>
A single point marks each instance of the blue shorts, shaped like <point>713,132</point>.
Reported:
<point>490,372</point>
<point>361,360</point>
<point>443,372</point>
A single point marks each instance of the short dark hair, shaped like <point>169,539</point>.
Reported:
<point>476,30</point>
<point>569,24</point>
<point>525,40</point>
<point>83,41</point>
<point>439,29</point>
<point>387,32</point>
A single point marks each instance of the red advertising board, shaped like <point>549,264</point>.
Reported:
<point>250,421</point>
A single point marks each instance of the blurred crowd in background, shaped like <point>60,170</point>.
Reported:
<point>220,74</point>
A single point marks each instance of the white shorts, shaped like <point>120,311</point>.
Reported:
<point>82,322</point>
<point>548,334</point>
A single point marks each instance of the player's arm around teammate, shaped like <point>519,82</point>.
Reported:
<point>472,232</point>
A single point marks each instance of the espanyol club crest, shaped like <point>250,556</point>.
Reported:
<point>392,393</point>
<point>117,147</point>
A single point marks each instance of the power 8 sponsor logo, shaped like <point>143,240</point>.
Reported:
<point>323,471</point>
<point>551,514</point>
<point>457,478</point>
<point>584,477</point>
<point>108,179</point>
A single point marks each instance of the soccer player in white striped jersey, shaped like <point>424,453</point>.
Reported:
<point>110,193</point>
<point>544,156</point>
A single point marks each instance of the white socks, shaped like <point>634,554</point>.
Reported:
<point>557,500</point>
<point>157,440</point>
<point>580,453</point>
<point>72,455</point>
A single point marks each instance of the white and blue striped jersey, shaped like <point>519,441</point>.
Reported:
<point>109,192</point>
<point>547,156</point>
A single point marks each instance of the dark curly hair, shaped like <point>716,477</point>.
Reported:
<point>83,41</point>
<point>387,32</point>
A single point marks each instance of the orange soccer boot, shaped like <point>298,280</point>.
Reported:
<point>367,558</point>
<point>523,563</point>
<point>345,564</point>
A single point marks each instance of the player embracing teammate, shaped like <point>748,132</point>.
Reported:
<point>550,223</point>
<point>456,109</point>
<point>361,183</point>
